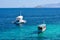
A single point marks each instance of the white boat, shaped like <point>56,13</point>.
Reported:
<point>42,27</point>
<point>19,20</point>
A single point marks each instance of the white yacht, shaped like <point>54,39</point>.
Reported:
<point>19,20</point>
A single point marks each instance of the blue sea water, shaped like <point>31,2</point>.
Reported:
<point>29,31</point>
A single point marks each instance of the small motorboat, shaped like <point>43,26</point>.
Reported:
<point>41,28</point>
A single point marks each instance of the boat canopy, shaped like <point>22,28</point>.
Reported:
<point>20,17</point>
<point>42,25</point>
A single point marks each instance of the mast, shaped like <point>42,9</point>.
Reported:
<point>20,13</point>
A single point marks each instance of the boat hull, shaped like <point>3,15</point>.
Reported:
<point>40,29</point>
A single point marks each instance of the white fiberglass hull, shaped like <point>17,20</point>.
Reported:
<point>43,29</point>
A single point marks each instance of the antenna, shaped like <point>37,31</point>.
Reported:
<point>43,22</point>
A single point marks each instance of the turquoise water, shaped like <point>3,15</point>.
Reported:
<point>29,31</point>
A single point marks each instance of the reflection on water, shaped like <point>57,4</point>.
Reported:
<point>30,32</point>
